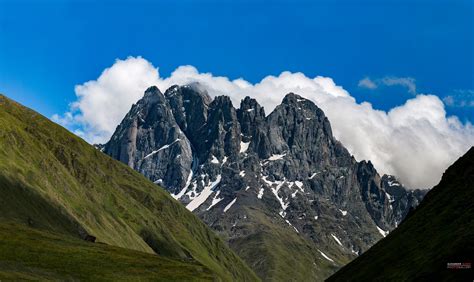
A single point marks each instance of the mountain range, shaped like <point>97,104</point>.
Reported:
<point>287,197</point>
<point>275,197</point>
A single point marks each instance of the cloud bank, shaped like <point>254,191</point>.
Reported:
<point>415,141</point>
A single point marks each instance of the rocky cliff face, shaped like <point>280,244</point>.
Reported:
<point>280,188</point>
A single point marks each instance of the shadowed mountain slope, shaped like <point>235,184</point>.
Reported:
<point>438,232</point>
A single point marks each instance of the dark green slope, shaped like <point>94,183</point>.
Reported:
<point>438,232</point>
<point>278,255</point>
<point>33,254</point>
<point>52,180</point>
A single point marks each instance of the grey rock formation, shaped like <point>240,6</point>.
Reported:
<point>150,141</point>
<point>250,176</point>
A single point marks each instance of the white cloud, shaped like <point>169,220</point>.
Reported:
<point>366,82</point>
<point>407,82</point>
<point>102,103</point>
<point>415,141</point>
<point>460,98</point>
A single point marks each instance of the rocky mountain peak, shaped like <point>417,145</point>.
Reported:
<point>246,174</point>
<point>223,102</point>
<point>292,98</point>
<point>189,104</point>
<point>251,117</point>
<point>150,141</point>
<point>366,168</point>
<point>250,104</point>
<point>152,95</point>
<point>220,135</point>
<point>250,110</point>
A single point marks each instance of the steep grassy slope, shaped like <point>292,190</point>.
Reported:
<point>52,180</point>
<point>279,254</point>
<point>32,254</point>
<point>439,231</point>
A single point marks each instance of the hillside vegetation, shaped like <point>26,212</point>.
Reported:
<point>33,254</point>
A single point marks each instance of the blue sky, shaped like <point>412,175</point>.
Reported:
<point>386,53</point>
<point>47,47</point>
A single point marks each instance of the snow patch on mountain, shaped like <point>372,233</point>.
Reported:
<point>325,256</point>
<point>161,149</point>
<point>215,200</point>
<point>214,160</point>
<point>205,193</point>
<point>382,232</point>
<point>337,240</point>
<point>230,205</point>
<point>276,157</point>
<point>244,146</point>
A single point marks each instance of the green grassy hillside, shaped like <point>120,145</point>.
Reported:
<point>52,180</point>
<point>33,254</point>
<point>279,254</point>
<point>438,232</point>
